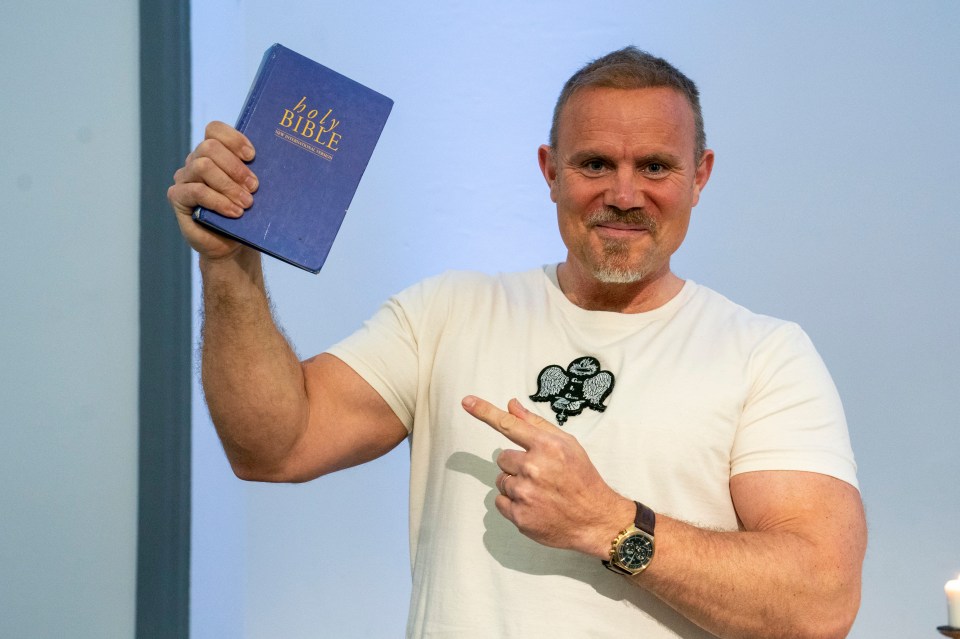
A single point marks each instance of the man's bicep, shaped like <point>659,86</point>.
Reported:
<point>820,520</point>
<point>821,508</point>
<point>349,422</point>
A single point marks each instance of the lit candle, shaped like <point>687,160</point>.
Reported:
<point>953,602</point>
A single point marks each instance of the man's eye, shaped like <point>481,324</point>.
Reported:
<point>594,165</point>
<point>655,169</point>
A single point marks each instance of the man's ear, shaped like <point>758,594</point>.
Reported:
<point>703,175</point>
<point>548,166</point>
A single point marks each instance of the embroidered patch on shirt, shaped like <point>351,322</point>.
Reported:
<point>582,385</point>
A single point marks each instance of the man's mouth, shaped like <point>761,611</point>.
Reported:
<point>622,222</point>
<point>621,231</point>
<point>621,226</point>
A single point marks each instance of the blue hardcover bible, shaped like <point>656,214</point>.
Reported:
<point>314,131</point>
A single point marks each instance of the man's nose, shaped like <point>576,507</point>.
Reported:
<point>624,190</point>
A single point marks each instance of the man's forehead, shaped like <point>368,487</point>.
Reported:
<point>592,109</point>
<point>654,100</point>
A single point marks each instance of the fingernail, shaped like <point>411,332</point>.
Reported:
<point>247,153</point>
<point>251,183</point>
<point>469,401</point>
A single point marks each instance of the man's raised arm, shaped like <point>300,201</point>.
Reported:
<point>265,403</point>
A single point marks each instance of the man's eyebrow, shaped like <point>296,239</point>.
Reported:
<point>582,155</point>
<point>661,158</point>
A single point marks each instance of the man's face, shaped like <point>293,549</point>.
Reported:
<point>624,178</point>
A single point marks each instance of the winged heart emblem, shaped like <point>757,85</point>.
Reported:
<point>581,385</point>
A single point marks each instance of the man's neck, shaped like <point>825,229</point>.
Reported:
<point>590,294</point>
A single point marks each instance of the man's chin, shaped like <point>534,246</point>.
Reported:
<point>618,276</point>
<point>619,269</point>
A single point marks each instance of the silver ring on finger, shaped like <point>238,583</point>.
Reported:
<point>502,483</point>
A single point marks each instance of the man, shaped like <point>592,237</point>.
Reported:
<point>647,402</point>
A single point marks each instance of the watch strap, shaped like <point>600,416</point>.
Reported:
<point>645,519</point>
<point>612,567</point>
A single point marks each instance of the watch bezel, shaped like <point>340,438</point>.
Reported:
<point>646,550</point>
<point>642,528</point>
<point>616,562</point>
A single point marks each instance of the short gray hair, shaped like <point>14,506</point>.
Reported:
<point>631,68</point>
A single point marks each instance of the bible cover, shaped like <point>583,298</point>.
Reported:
<point>314,131</point>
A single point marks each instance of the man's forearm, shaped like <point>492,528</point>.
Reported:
<point>252,379</point>
<point>753,584</point>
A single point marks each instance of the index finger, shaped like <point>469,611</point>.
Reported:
<point>520,430</point>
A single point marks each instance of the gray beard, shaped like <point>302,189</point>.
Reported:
<point>613,269</point>
<point>609,272</point>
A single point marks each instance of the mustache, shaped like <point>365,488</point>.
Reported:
<point>634,217</point>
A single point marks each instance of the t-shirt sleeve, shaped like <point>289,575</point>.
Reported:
<point>792,418</point>
<point>384,352</point>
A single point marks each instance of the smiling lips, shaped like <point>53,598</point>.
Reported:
<point>618,230</point>
<point>621,226</point>
<point>620,222</point>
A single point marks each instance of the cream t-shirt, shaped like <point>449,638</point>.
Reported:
<point>702,389</point>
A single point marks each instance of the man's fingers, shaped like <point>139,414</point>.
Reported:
<point>215,178</point>
<point>519,410</point>
<point>510,426</point>
<point>187,197</point>
<point>228,161</point>
<point>511,461</point>
<point>232,139</point>
<point>505,506</point>
<point>206,172</point>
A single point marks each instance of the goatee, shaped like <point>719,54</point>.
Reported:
<point>614,266</point>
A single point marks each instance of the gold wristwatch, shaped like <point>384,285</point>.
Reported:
<point>632,550</point>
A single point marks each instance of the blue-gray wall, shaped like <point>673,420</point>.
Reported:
<point>69,233</point>
<point>833,203</point>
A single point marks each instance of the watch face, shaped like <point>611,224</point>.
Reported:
<point>635,551</point>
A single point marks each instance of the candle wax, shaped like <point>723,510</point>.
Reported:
<point>952,589</point>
